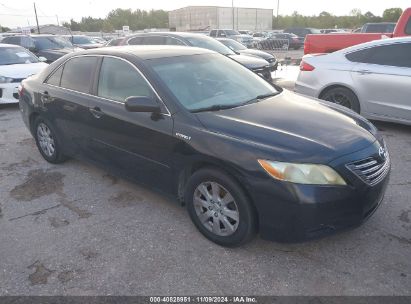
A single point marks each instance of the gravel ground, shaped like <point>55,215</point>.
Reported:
<point>74,229</point>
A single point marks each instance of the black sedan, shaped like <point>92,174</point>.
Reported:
<point>241,154</point>
<point>257,65</point>
<point>243,50</point>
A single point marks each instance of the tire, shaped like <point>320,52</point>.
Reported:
<point>215,223</point>
<point>342,96</point>
<point>47,141</point>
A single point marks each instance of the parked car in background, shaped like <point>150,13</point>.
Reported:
<point>50,47</point>
<point>329,31</point>
<point>290,40</point>
<point>16,64</point>
<point>115,41</point>
<point>333,42</point>
<point>84,42</point>
<point>244,32</point>
<point>301,32</point>
<point>245,39</point>
<point>100,40</point>
<point>242,50</point>
<point>257,65</point>
<point>373,79</point>
<point>243,155</point>
<point>380,27</point>
<point>257,37</point>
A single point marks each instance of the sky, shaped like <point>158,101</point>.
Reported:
<point>21,13</point>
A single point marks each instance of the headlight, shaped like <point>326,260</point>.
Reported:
<point>311,174</point>
<point>4,79</point>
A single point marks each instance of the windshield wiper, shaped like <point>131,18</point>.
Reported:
<point>214,108</point>
<point>260,97</point>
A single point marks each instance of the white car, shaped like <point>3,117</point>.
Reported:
<point>16,64</point>
<point>373,79</point>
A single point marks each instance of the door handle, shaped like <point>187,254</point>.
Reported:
<point>96,112</point>
<point>364,72</point>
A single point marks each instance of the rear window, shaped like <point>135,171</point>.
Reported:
<point>136,41</point>
<point>358,56</point>
<point>380,28</point>
<point>54,79</point>
<point>398,54</point>
<point>78,74</point>
<point>154,40</point>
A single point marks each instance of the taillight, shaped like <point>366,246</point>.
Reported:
<point>20,90</point>
<point>304,66</point>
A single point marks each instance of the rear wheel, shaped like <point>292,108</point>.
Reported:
<point>342,96</point>
<point>219,208</point>
<point>47,141</point>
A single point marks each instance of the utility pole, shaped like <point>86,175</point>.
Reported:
<point>37,20</point>
<point>58,23</point>
<point>278,8</point>
<point>232,6</point>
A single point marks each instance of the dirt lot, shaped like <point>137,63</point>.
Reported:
<point>74,229</point>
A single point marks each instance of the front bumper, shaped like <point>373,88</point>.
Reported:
<point>264,72</point>
<point>294,212</point>
<point>9,93</point>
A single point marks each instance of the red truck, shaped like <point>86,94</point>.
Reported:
<point>328,43</point>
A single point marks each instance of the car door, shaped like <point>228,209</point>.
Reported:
<point>383,80</point>
<point>66,95</point>
<point>139,145</point>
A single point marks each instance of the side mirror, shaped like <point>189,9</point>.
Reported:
<point>142,104</point>
<point>42,59</point>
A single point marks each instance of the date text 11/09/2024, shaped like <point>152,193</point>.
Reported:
<point>203,299</point>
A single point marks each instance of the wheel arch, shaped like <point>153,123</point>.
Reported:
<point>188,170</point>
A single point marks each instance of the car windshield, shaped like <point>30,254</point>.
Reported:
<point>16,55</point>
<point>83,40</point>
<point>210,44</point>
<point>231,32</point>
<point>201,82</point>
<point>45,43</point>
<point>234,45</point>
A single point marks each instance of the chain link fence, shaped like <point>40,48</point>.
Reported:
<point>272,45</point>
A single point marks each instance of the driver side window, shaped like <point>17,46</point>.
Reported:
<point>119,80</point>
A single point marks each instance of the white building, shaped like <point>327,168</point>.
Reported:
<point>200,18</point>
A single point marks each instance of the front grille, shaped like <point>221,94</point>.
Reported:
<point>371,170</point>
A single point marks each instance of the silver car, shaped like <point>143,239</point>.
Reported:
<point>373,79</point>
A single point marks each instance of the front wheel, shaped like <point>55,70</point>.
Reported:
<point>47,141</point>
<point>219,208</point>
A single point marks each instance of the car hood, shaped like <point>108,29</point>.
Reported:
<point>258,53</point>
<point>291,127</point>
<point>250,62</point>
<point>21,70</point>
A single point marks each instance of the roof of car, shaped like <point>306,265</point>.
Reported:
<point>4,45</point>
<point>376,42</point>
<point>171,34</point>
<point>147,51</point>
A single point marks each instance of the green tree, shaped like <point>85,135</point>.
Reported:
<point>392,14</point>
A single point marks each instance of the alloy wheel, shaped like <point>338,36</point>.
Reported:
<point>216,208</point>
<point>45,139</point>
